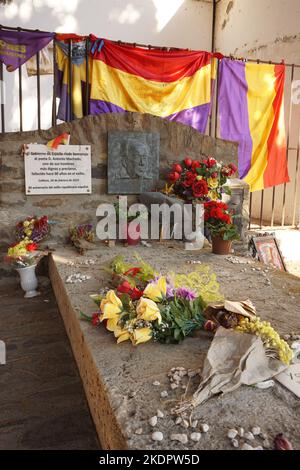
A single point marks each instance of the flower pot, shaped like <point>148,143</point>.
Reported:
<point>220,246</point>
<point>29,281</point>
<point>133,240</point>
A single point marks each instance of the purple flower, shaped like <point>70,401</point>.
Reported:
<point>186,293</point>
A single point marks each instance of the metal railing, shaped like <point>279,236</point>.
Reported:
<point>263,219</point>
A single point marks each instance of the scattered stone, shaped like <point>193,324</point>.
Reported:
<point>173,386</point>
<point>258,448</point>
<point>185,423</point>
<point>159,414</point>
<point>264,435</point>
<point>139,431</point>
<point>157,436</point>
<point>232,433</point>
<point>196,436</point>
<point>246,446</point>
<point>178,420</point>
<point>164,394</point>
<point>266,443</point>
<point>77,277</point>
<point>180,438</point>
<point>184,387</point>
<point>156,383</point>
<point>249,436</point>
<point>256,430</point>
<point>241,432</point>
<point>194,423</point>
<point>204,427</point>
<point>234,443</point>
<point>153,421</point>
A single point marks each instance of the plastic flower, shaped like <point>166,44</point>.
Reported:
<point>213,195</point>
<point>141,335</point>
<point>213,183</point>
<point>148,310</point>
<point>156,290</point>
<point>186,293</point>
<point>200,188</point>
<point>111,307</point>
<point>121,334</point>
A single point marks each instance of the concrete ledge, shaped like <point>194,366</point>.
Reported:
<point>118,379</point>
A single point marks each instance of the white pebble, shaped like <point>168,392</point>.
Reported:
<point>204,427</point>
<point>196,436</point>
<point>180,438</point>
<point>159,414</point>
<point>249,436</point>
<point>153,421</point>
<point>232,433</point>
<point>164,394</point>
<point>173,386</point>
<point>258,448</point>
<point>234,443</point>
<point>178,420</point>
<point>241,432</point>
<point>255,430</point>
<point>246,447</point>
<point>157,436</point>
<point>185,423</point>
<point>194,423</point>
<point>266,443</point>
<point>156,383</point>
<point>139,431</point>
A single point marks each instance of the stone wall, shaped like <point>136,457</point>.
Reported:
<point>176,141</point>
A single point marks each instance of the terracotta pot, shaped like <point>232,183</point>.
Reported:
<point>220,246</point>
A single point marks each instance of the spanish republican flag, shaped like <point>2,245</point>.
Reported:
<point>251,111</point>
<point>62,139</point>
<point>174,84</point>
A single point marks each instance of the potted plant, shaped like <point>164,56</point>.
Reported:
<point>24,257</point>
<point>220,224</point>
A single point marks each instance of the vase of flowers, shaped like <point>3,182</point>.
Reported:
<point>24,257</point>
<point>220,224</point>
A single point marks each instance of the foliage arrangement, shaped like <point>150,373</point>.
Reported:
<point>23,254</point>
<point>199,180</point>
<point>33,228</point>
<point>219,221</point>
<point>146,305</point>
<point>274,345</point>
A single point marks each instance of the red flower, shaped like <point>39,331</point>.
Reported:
<point>200,188</point>
<point>211,162</point>
<point>195,164</point>
<point>177,168</point>
<point>214,174</point>
<point>188,161</point>
<point>133,292</point>
<point>233,167</point>
<point>132,271</point>
<point>31,247</point>
<point>189,179</point>
<point>174,176</point>
<point>95,319</point>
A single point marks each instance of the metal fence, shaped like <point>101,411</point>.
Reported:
<point>261,217</point>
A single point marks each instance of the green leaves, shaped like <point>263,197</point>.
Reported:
<point>180,317</point>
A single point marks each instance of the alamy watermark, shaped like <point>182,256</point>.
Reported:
<point>178,221</point>
<point>2,353</point>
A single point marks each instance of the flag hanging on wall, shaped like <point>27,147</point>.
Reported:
<point>16,47</point>
<point>174,84</point>
<point>251,112</point>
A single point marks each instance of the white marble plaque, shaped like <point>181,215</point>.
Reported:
<point>66,170</point>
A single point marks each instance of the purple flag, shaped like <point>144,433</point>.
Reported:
<point>16,47</point>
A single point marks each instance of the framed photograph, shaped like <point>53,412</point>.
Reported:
<point>268,252</point>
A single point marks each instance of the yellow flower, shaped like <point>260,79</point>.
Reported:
<point>199,177</point>
<point>111,307</point>
<point>213,195</point>
<point>121,334</point>
<point>148,310</point>
<point>213,183</point>
<point>141,335</point>
<point>156,291</point>
<point>26,223</point>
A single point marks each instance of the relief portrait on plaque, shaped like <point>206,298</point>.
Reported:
<point>133,162</point>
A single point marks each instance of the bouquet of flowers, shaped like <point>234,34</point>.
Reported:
<point>23,254</point>
<point>219,221</point>
<point>33,228</point>
<point>79,234</point>
<point>147,306</point>
<point>195,180</point>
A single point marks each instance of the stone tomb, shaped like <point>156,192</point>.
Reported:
<point>118,379</point>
